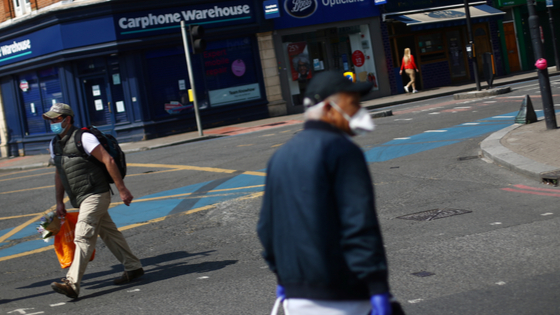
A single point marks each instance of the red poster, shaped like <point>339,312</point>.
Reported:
<point>358,58</point>
<point>299,60</point>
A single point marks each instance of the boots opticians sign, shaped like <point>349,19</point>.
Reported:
<point>300,8</point>
<point>311,12</point>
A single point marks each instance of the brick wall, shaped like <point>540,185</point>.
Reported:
<point>389,58</point>
<point>435,75</point>
<point>39,4</point>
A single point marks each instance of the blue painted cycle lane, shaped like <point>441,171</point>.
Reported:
<point>433,139</point>
<point>199,195</point>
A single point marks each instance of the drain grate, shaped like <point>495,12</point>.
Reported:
<point>551,178</point>
<point>466,158</point>
<point>433,214</point>
<point>423,274</point>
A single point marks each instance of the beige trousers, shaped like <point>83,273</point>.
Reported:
<point>93,220</point>
<point>412,75</point>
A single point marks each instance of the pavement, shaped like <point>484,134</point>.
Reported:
<point>530,150</point>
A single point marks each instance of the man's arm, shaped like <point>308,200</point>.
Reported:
<point>59,195</point>
<point>361,241</point>
<point>103,156</point>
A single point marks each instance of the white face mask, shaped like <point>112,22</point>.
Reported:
<point>361,123</point>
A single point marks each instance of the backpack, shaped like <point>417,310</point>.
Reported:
<point>109,143</point>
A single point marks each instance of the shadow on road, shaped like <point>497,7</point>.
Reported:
<point>157,268</point>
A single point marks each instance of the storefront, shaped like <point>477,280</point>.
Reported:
<point>517,45</point>
<point>319,35</point>
<point>437,38</point>
<point>124,70</point>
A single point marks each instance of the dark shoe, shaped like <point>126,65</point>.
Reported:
<point>64,288</point>
<point>129,276</point>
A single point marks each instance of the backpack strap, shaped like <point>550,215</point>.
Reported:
<point>79,144</point>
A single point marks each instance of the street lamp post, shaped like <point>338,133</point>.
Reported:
<point>544,81</point>
<point>471,43</point>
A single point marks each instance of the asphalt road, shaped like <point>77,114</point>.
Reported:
<point>482,250</point>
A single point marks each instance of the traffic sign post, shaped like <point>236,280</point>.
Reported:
<point>191,76</point>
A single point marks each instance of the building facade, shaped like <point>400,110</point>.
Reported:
<point>121,66</point>
<point>517,44</point>
<point>311,36</point>
<point>436,33</point>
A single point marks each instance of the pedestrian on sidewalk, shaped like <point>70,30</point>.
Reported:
<point>318,224</point>
<point>410,68</point>
<point>87,186</point>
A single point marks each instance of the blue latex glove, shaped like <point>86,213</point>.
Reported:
<point>381,304</point>
<point>280,293</point>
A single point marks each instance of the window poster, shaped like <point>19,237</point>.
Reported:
<point>299,60</point>
<point>231,73</point>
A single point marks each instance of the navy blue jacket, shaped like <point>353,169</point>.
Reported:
<point>318,224</point>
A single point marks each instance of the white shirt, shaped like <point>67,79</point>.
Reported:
<point>89,143</point>
<point>323,307</point>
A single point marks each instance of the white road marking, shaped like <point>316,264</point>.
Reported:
<point>404,138</point>
<point>503,117</point>
<point>471,124</point>
<point>435,113</point>
<point>415,301</point>
<point>403,119</point>
<point>58,304</point>
<point>490,102</point>
<point>135,290</point>
<point>548,213</point>
<point>436,130</point>
<point>203,277</point>
<point>463,107</point>
<point>500,283</point>
<point>496,223</point>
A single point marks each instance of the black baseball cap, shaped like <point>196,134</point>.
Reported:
<point>328,83</point>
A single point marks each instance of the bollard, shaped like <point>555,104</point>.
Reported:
<point>526,113</point>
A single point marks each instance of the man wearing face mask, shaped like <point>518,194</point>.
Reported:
<point>318,223</point>
<point>87,187</point>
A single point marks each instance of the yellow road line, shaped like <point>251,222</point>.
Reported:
<point>19,172</point>
<point>244,145</point>
<point>6,179</point>
<point>276,145</point>
<point>184,167</point>
<point>128,227</point>
<point>27,189</point>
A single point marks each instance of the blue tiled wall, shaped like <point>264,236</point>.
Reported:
<point>435,74</point>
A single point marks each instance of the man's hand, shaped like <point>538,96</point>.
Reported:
<point>280,294</point>
<point>380,304</point>
<point>400,72</point>
<point>60,210</point>
<point>126,196</point>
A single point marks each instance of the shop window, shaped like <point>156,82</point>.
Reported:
<point>230,72</point>
<point>168,82</point>
<point>342,49</point>
<point>22,7</point>
<point>39,91</point>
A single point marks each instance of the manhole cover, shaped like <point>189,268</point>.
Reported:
<point>433,214</point>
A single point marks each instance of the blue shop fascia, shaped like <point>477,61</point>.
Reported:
<point>122,67</point>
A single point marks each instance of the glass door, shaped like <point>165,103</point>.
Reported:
<point>98,103</point>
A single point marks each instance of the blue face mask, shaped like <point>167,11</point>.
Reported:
<point>57,128</point>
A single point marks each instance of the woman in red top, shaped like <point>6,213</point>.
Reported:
<point>410,69</point>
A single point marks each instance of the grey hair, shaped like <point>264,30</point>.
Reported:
<point>315,112</point>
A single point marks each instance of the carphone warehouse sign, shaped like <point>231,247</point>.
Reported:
<point>148,23</point>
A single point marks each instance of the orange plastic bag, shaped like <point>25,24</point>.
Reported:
<point>64,241</point>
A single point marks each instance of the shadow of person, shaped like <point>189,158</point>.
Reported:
<point>157,268</point>
<point>159,273</point>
